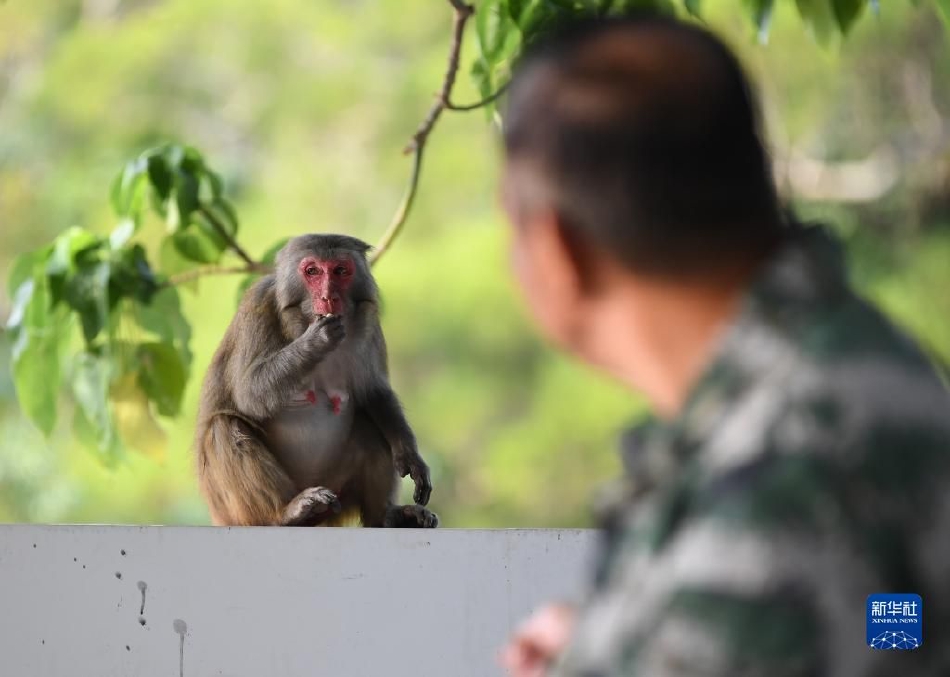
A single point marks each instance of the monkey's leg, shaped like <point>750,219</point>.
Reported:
<point>374,478</point>
<point>245,486</point>
<point>378,480</point>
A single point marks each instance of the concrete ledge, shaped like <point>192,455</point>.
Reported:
<point>261,602</point>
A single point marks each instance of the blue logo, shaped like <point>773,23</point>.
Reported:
<point>895,621</point>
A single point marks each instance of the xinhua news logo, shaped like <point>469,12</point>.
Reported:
<point>895,621</point>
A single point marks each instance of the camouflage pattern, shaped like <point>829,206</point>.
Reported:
<point>809,468</point>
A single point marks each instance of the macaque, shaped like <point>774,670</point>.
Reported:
<point>298,425</point>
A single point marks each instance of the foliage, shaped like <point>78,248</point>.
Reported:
<point>504,26</point>
<point>134,349</point>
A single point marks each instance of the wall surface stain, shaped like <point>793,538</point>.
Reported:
<point>143,586</point>
<point>181,628</point>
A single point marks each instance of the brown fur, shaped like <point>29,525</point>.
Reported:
<point>275,344</point>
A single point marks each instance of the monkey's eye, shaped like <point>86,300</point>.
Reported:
<point>340,270</point>
<point>311,270</point>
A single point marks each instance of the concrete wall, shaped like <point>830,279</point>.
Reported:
<point>196,602</point>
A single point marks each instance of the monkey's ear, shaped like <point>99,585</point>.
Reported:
<point>360,246</point>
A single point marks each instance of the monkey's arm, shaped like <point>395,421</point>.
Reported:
<point>273,373</point>
<point>385,411</point>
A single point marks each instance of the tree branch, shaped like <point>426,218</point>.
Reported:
<point>399,218</point>
<point>478,104</point>
<point>222,231</point>
<point>194,274</point>
<point>416,145</point>
<point>463,13</point>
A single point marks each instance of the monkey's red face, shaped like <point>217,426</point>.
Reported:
<point>328,281</point>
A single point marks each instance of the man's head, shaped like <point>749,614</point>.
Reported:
<point>632,149</point>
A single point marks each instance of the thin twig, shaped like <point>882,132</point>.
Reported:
<point>478,104</point>
<point>463,13</point>
<point>222,231</point>
<point>195,273</point>
<point>416,145</point>
<point>399,218</point>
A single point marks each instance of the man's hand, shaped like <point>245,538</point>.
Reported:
<point>539,641</point>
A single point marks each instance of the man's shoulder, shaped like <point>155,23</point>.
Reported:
<point>838,373</point>
<point>850,410</point>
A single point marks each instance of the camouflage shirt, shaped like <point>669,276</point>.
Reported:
<point>809,468</point>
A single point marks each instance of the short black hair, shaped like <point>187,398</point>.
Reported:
<point>643,133</point>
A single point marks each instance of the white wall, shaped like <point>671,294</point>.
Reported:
<point>273,602</point>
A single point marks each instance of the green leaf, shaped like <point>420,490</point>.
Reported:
<point>122,233</point>
<point>693,6</point>
<point>184,202</point>
<point>565,5</point>
<point>482,75</point>
<point>170,262</point>
<point>21,301</point>
<point>160,175</point>
<point>92,376</point>
<point>191,161</point>
<point>215,218</point>
<point>761,12</point>
<point>87,293</point>
<point>36,353</point>
<point>211,188</point>
<point>819,18</point>
<point>516,9</point>
<point>23,267</point>
<point>131,275</point>
<point>162,317</point>
<point>162,375</point>
<point>944,7</point>
<point>491,24</point>
<point>225,213</point>
<point>68,248</point>
<point>129,189</point>
<point>196,245</point>
<point>540,17</point>
<point>132,416</point>
<point>665,6</point>
<point>847,12</point>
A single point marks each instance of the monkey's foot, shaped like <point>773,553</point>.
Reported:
<point>310,507</point>
<point>410,517</point>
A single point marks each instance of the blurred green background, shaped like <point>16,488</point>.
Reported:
<point>306,105</point>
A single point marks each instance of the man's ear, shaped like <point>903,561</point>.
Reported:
<point>582,256</point>
<point>558,259</point>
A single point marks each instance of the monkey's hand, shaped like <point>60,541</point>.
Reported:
<point>411,463</point>
<point>324,334</point>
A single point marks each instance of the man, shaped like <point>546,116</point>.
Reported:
<point>799,459</point>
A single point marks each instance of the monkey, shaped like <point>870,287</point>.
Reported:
<point>298,424</point>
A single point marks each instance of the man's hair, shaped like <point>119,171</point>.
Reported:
<point>642,133</point>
